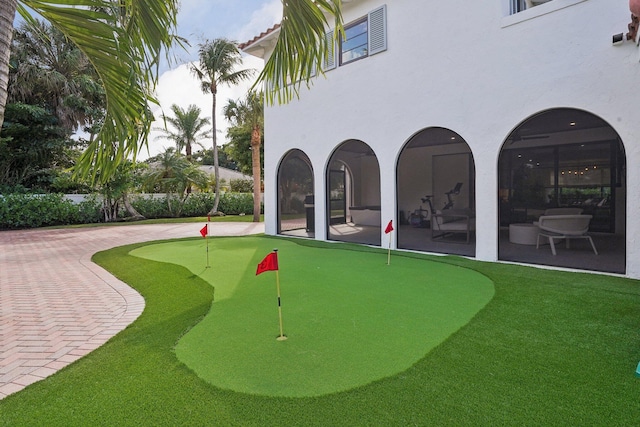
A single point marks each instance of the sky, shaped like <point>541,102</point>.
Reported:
<point>200,20</point>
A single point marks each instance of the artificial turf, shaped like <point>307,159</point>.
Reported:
<point>351,318</point>
<point>550,348</point>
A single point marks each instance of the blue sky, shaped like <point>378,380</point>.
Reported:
<point>238,20</point>
<point>198,20</point>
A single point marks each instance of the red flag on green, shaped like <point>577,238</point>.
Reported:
<point>389,228</point>
<point>269,263</point>
<point>204,230</point>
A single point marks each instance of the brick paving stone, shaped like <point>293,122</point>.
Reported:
<point>57,306</point>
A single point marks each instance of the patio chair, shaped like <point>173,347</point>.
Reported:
<point>565,227</point>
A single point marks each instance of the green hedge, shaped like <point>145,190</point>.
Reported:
<point>197,204</point>
<point>241,185</point>
<point>39,210</point>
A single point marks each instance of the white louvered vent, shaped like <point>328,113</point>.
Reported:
<point>378,30</point>
<point>330,62</point>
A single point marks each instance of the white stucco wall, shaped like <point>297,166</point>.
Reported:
<point>469,67</point>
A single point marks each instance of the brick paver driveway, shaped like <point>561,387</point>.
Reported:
<point>56,305</point>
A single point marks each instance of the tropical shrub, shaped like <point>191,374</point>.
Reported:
<point>149,206</point>
<point>236,203</point>
<point>90,210</point>
<point>196,204</point>
<point>39,210</point>
<point>241,186</point>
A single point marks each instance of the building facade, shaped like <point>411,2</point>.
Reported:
<point>463,123</point>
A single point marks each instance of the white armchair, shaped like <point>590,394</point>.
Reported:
<point>565,227</point>
<point>451,221</point>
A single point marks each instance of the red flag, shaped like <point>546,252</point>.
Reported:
<point>269,263</point>
<point>204,230</point>
<point>389,228</point>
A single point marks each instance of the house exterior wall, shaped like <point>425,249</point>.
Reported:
<point>472,68</point>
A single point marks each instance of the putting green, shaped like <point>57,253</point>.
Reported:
<point>349,317</point>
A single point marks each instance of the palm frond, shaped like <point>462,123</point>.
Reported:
<point>123,40</point>
<point>301,46</point>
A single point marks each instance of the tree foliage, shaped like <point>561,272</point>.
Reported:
<point>239,148</point>
<point>174,175</point>
<point>302,46</point>
<point>118,188</point>
<point>50,71</point>
<point>248,114</point>
<point>124,40</point>
<point>205,157</point>
<point>188,128</point>
<point>34,147</point>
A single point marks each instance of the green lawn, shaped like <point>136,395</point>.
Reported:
<point>550,348</point>
<point>346,326</point>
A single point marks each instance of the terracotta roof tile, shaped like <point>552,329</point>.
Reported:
<point>256,38</point>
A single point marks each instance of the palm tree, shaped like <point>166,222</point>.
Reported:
<point>250,113</point>
<point>48,70</point>
<point>189,128</point>
<point>174,175</point>
<point>125,45</point>
<point>123,39</point>
<point>218,60</point>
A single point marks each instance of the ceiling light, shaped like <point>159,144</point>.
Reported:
<point>572,124</point>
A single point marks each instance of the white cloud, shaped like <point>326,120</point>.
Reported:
<point>261,20</point>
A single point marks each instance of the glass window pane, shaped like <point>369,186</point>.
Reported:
<point>355,44</point>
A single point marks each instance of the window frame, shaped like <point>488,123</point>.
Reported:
<point>535,12</point>
<point>362,20</point>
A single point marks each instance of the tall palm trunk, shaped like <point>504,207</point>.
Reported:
<point>189,156</point>
<point>255,163</point>
<point>7,14</point>
<point>216,165</point>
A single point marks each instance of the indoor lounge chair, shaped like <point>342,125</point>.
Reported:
<point>565,227</point>
<point>452,221</point>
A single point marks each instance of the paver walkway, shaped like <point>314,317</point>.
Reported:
<point>57,306</point>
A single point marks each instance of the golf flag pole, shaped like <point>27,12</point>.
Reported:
<point>281,337</point>
<point>388,231</point>
<point>204,231</point>
<point>270,263</point>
